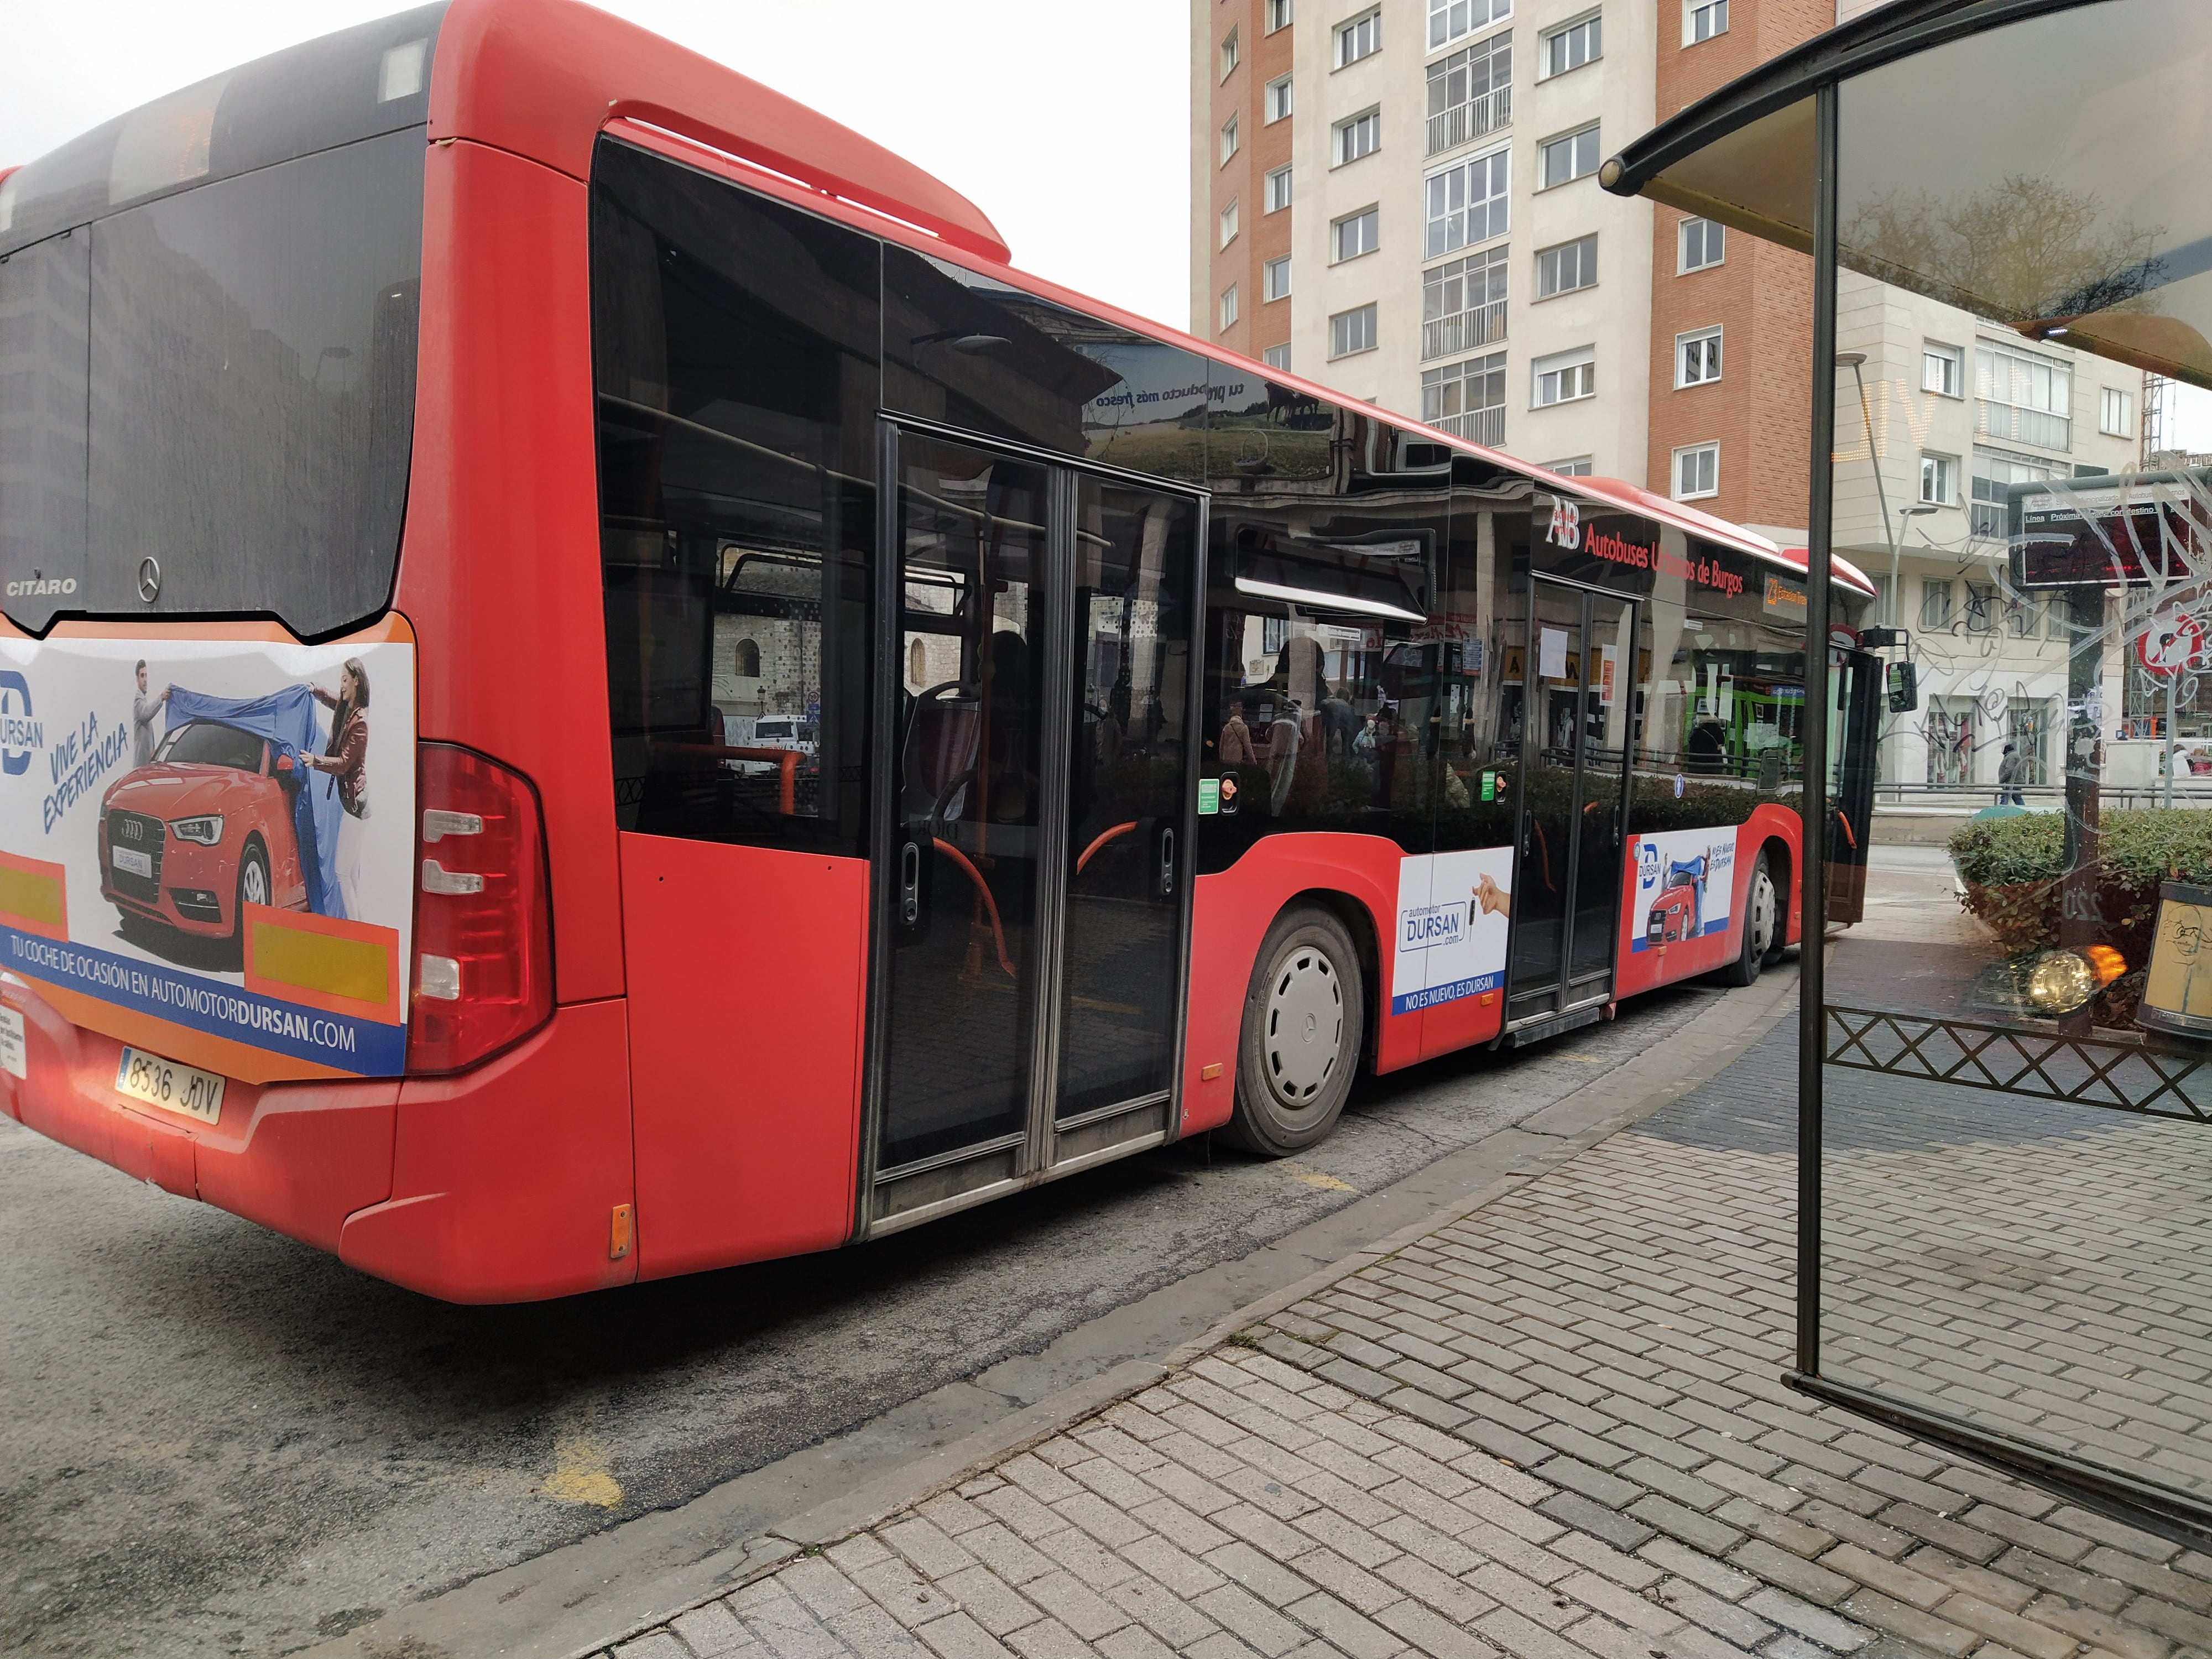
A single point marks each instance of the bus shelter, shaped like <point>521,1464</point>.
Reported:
<point>2004,1168</point>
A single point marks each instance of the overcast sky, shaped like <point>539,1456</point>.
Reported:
<point>1064,120</point>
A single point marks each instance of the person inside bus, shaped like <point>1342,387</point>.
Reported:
<point>1236,744</point>
<point>1708,745</point>
<point>1283,737</point>
<point>345,758</point>
<point>1007,698</point>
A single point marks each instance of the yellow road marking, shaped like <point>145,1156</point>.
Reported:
<point>1298,1172</point>
<point>580,1465</point>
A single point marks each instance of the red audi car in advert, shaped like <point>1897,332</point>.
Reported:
<point>199,832</point>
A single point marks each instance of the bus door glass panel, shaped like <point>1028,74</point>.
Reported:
<point>958,1024</point>
<point>1551,724</point>
<point>1129,777</point>
<point>1609,722</point>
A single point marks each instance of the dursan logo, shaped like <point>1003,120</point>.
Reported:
<point>18,733</point>
<point>1430,926</point>
<point>45,585</point>
<point>1647,864</point>
<point>1566,524</point>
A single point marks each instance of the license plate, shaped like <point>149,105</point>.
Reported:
<point>165,1084</point>
<point>135,864</point>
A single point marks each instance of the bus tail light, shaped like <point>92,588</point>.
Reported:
<point>484,915</point>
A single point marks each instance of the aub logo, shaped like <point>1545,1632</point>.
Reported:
<point>48,585</point>
<point>1566,524</point>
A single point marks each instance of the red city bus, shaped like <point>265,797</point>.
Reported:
<point>594,686</point>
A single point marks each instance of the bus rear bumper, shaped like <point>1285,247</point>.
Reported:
<point>296,1158</point>
<point>496,1185</point>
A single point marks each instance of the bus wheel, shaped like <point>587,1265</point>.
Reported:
<point>1303,1017</point>
<point>1762,918</point>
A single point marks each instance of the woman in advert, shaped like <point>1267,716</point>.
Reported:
<point>345,758</point>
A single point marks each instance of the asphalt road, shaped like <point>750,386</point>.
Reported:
<point>216,1441</point>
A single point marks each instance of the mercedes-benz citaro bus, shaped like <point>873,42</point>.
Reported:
<point>428,455</point>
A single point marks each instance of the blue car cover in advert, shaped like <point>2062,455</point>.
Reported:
<point>1453,917</point>
<point>220,834</point>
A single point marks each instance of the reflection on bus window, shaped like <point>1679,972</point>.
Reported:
<point>735,363</point>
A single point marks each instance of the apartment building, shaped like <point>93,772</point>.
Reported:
<point>1398,198</point>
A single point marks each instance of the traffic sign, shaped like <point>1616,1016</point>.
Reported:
<point>2170,644</point>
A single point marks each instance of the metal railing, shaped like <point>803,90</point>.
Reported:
<point>1463,331</point>
<point>1463,123</point>
<point>2112,1070</point>
<point>1477,426</point>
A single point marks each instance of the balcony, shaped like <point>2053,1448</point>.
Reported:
<point>1477,426</point>
<point>1463,331</point>
<point>1464,123</point>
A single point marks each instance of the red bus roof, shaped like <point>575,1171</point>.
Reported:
<point>543,78</point>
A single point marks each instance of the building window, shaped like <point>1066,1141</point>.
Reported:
<point>1466,400</point>
<point>2024,397</point>
<point>1996,473</point>
<point>1564,377</point>
<point>1704,243</point>
<point>1228,224</point>
<point>1454,19</point>
<point>1467,204</point>
<point>1696,471</point>
<point>1703,19</point>
<point>1463,304</point>
<point>1278,190</point>
<point>1697,357</point>
<point>1567,267</point>
<point>1228,306</point>
<point>1580,467</point>
<point>1276,275</point>
<point>1278,356</point>
<point>744,660</point>
<point>1572,45</point>
<point>1278,15</point>
<point>1943,370</point>
<point>1355,234</point>
<point>1571,155</point>
<point>1278,103</point>
<point>1934,603</point>
<point>2116,413</point>
<point>1470,93</point>
<point>1351,330</point>
<point>1229,53</point>
<point>1939,480</point>
<point>1228,139</point>
<point>1361,38</point>
<point>1360,135</point>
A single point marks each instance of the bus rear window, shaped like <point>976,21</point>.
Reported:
<point>207,345</point>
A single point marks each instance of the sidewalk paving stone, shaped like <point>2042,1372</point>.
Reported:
<point>1551,1429</point>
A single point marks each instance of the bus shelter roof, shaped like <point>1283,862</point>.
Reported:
<point>2038,162</point>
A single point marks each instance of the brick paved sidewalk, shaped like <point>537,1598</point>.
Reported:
<point>1550,1429</point>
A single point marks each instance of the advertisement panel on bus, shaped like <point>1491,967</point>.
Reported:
<point>217,833</point>
<point>1453,910</point>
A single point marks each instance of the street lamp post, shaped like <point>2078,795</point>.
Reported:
<point>1854,360</point>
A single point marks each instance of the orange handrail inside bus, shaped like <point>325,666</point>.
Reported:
<point>1118,830</point>
<point>990,904</point>
<point>786,789</point>
<point>1849,835</point>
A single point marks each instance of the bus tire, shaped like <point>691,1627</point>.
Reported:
<point>1762,918</point>
<point>1304,1014</point>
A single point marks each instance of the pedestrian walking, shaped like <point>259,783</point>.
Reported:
<point>2010,772</point>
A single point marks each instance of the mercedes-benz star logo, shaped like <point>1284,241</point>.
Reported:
<point>150,579</point>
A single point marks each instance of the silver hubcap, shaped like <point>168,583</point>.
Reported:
<point>1762,913</point>
<point>256,887</point>
<point>1305,1026</point>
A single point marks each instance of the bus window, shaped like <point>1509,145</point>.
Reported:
<point>735,366</point>
<point>1323,636</point>
<point>983,355</point>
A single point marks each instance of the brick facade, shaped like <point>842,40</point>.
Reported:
<point>1760,296</point>
<point>1263,147</point>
